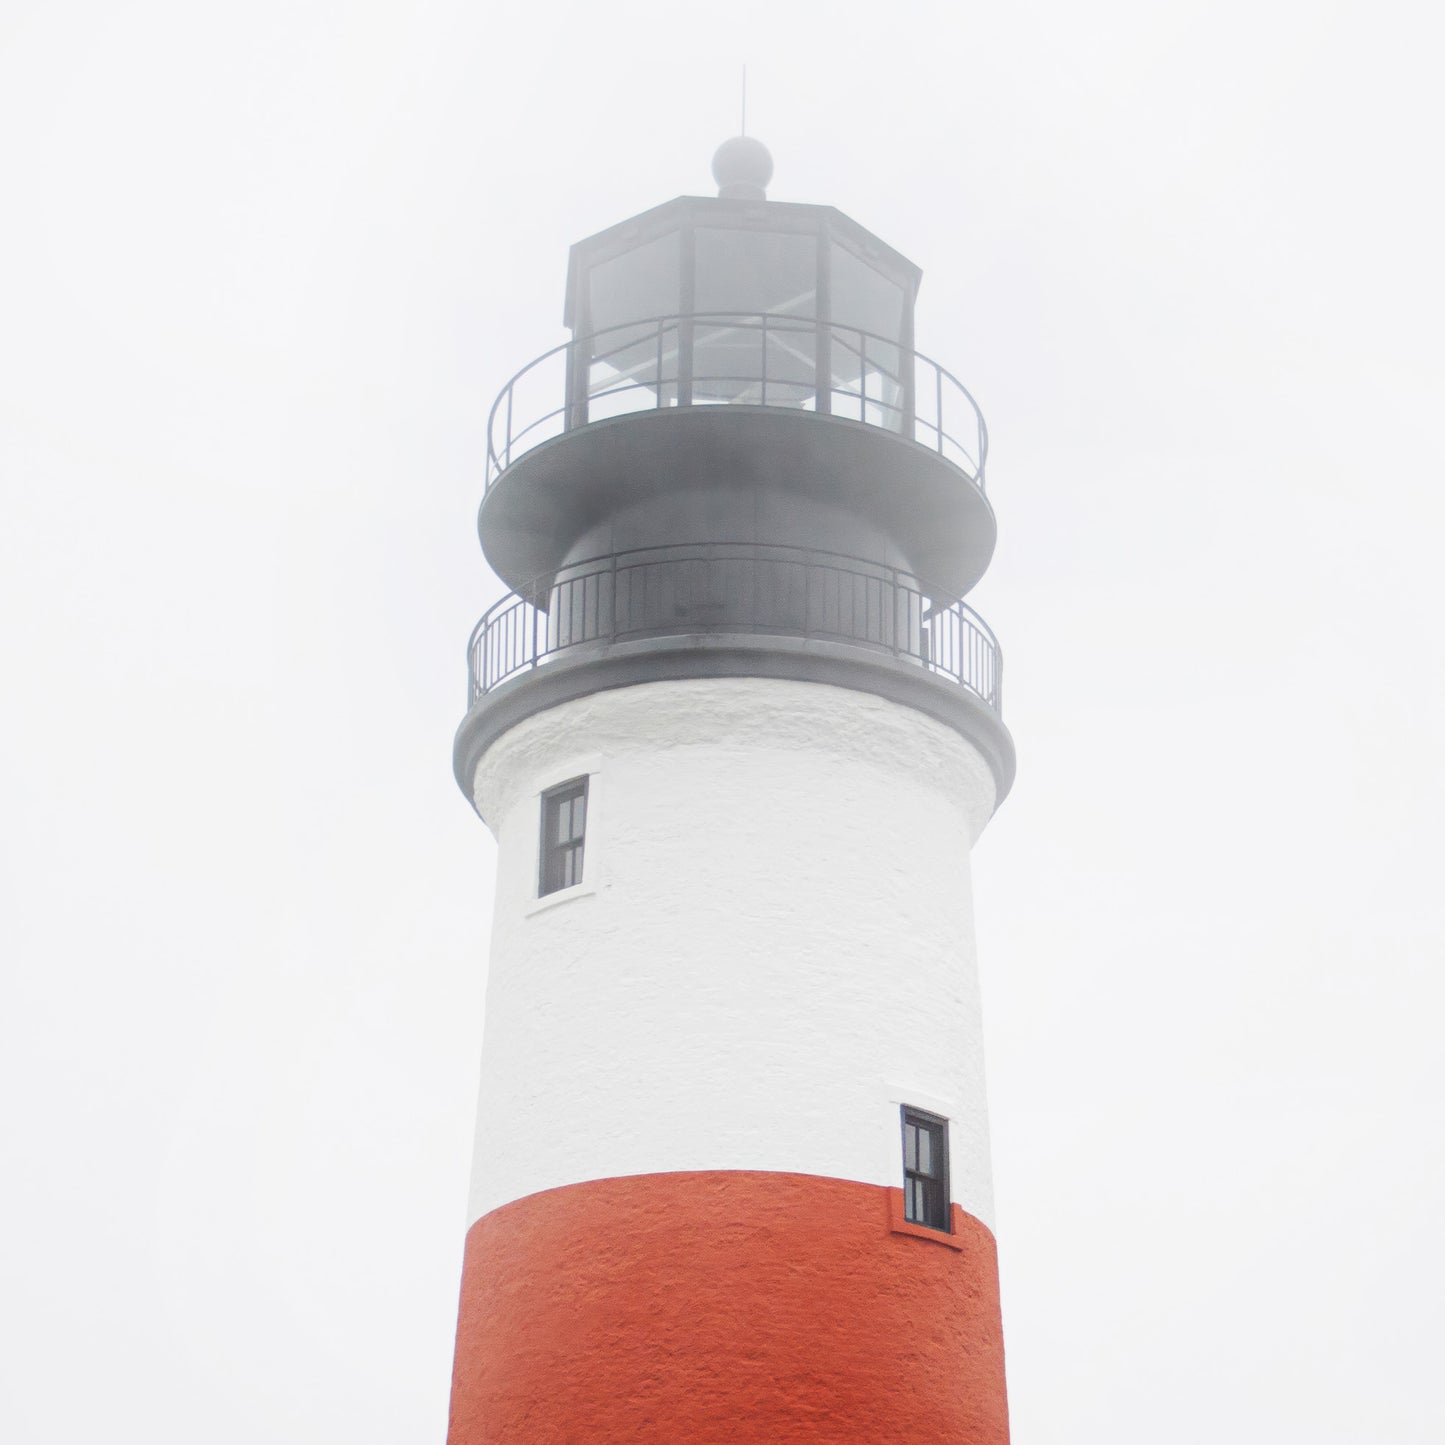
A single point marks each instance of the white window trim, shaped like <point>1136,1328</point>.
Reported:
<point>562,895</point>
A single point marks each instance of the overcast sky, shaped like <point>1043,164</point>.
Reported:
<point>263,267</point>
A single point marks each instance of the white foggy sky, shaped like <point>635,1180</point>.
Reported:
<point>263,268</point>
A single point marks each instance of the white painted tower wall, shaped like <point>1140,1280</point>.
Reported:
<point>771,949</point>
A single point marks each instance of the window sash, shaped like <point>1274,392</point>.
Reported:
<point>564,834</point>
<point>925,1170</point>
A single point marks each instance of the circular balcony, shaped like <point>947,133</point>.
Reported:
<point>764,359</point>
<point>733,610</point>
<point>757,427</point>
<point>750,589</point>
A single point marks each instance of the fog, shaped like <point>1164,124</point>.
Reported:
<point>265,267</point>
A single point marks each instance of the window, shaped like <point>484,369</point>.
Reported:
<point>925,1169</point>
<point>564,824</point>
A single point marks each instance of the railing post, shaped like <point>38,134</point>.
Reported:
<point>823,367</point>
<point>684,360</point>
<point>660,402</point>
<point>576,395</point>
<point>893,610</point>
<point>906,380</point>
<point>763,369</point>
<point>863,377</point>
<point>612,634</point>
<point>938,404</point>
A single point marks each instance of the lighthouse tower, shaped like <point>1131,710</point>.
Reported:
<point>735,732</point>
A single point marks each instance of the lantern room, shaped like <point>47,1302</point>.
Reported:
<point>720,301</point>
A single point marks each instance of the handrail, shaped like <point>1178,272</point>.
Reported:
<point>744,587</point>
<point>955,428</point>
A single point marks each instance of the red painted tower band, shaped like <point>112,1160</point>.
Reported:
<point>794,1313</point>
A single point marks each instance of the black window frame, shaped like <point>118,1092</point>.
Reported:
<point>926,1195</point>
<point>556,859</point>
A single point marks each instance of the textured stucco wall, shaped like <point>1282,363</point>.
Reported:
<point>771,947</point>
<point>725,1309</point>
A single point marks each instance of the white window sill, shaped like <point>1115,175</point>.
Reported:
<point>562,895</point>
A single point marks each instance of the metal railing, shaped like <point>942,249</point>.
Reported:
<point>746,588</point>
<point>737,358</point>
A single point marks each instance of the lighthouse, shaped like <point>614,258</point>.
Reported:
<point>735,731</point>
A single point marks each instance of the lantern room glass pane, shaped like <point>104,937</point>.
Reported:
<point>755,294</point>
<point>862,296</point>
<point>865,353</point>
<point>631,368</point>
<point>632,361</point>
<point>762,360</point>
<point>637,285</point>
<point>753,271</point>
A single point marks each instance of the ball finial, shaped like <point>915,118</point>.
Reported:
<point>742,168</point>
